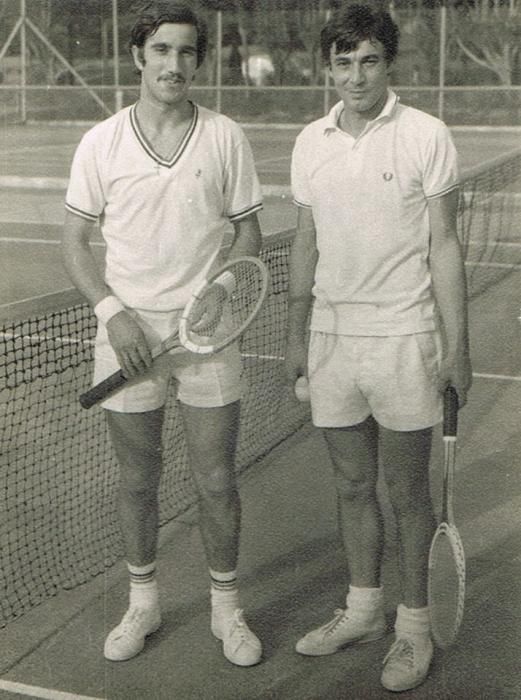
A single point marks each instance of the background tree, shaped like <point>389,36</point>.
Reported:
<point>488,32</point>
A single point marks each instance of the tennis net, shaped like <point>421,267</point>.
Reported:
<point>58,525</point>
<point>489,221</point>
<point>58,474</point>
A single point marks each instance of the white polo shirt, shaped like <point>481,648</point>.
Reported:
<point>163,220</point>
<point>369,199</point>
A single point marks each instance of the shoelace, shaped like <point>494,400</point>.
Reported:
<point>402,652</point>
<point>239,625</point>
<point>340,616</point>
<point>131,621</point>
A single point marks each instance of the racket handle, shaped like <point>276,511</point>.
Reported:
<point>103,389</point>
<point>450,412</point>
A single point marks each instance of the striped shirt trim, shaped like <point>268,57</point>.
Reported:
<point>246,212</point>
<point>301,204</point>
<point>147,147</point>
<point>448,189</point>
<point>79,212</point>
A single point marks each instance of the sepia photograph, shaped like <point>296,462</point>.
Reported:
<point>260,331</point>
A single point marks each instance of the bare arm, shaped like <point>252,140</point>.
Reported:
<point>448,279</point>
<point>302,264</point>
<point>125,335</point>
<point>79,260</point>
<point>247,238</point>
<point>246,241</point>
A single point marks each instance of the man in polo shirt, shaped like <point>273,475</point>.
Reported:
<point>376,250</point>
<point>164,178</point>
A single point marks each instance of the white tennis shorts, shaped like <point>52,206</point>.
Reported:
<point>392,378</point>
<point>204,381</point>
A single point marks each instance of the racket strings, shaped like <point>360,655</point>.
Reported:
<point>446,587</point>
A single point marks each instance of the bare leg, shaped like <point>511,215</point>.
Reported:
<point>354,453</point>
<point>406,456</point>
<point>211,435</point>
<point>137,441</point>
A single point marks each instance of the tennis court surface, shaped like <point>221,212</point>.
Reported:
<point>64,586</point>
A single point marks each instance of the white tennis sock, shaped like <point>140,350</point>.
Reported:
<point>143,585</point>
<point>364,602</point>
<point>412,621</point>
<point>224,592</point>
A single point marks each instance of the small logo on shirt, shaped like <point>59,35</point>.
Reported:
<point>388,177</point>
<point>199,173</point>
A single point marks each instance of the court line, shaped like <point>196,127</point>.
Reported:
<point>58,148</point>
<point>39,692</point>
<point>53,241</point>
<point>36,297</point>
<point>43,337</point>
<point>60,184</point>
<point>69,340</point>
<point>36,183</point>
<point>498,377</point>
<point>42,241</point>
<point>503,266</point>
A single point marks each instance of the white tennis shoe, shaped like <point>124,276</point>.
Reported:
<point>240,646</point>
<point>407,663</point>
<point>128,638</point>
<point>342,630</point>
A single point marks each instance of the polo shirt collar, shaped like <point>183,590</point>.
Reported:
<point>386,113</point>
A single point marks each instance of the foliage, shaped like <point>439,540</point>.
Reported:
<point>488,32</point>
<point>483,44</point>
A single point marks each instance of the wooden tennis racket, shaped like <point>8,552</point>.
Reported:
<point>218,312</point>
<point>446,577</point>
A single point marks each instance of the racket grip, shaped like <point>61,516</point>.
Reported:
<point>450,412</point>
<point>103,389</point>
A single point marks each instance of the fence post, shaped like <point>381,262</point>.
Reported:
<point>23,63</point>
<point>118,93</point>
<point>327,80</point>
<point>218,59</point>
<point>443,58</point>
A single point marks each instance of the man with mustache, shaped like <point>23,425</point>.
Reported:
<point>164,178</point>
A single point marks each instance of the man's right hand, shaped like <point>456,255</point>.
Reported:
<point>129,343</point>
<point>296,360</point>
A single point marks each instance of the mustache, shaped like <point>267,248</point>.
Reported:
<point>172,76</point>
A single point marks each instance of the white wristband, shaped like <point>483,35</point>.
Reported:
<point>107,308</point>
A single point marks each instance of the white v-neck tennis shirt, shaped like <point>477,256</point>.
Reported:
<point>162,220</point>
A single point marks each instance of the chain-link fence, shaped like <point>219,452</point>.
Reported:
<point>68,60</point>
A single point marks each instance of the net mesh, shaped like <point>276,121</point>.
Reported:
<point>58,525</point>
<point>58,474</point>
<point>489,221</point>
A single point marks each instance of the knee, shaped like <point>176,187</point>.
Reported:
<point>139,486</point>
<point>216,483</point>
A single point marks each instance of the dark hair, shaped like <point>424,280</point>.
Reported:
<point>349,25</point>
<point>157,12</point>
